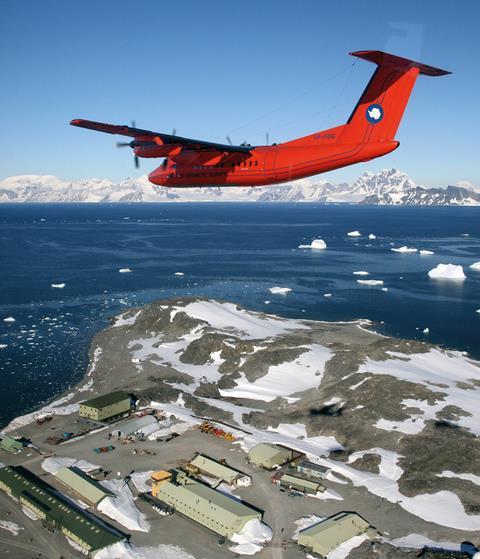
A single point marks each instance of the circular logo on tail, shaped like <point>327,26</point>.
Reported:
<point>374,113</point>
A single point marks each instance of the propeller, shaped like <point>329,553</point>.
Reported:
<point>229,140</point>
<point>267,138</point>
<point>136,160</point>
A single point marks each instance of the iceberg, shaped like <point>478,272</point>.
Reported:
<point>475,266</point>
<point>124,270</point>
<point>404,249</point>
<point>279,290</point>
<point>316,244</point>
<point>9,319</point>
<point>361,273</point>
<point>58,285</point>
<point>372,236</point>
<point>3,346</point>
<point>425,252</point>
<point>327,294</point>
<point>426,330</point>
<point>354,234</point>
<point>178,274</point>
<point>370,282</point>
<point>447,271</point>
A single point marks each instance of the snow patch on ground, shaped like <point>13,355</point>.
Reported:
<point>251,538</point>
<point>124,320</point>
<point>123,550</point>
<point>468,477</point>
<point>344,549</point>
<point>11,527</point>
<point>53,464</point>
<point>140,479</point>
<point>304,523</point>
<point>122,508</point>
<point>288,378</point>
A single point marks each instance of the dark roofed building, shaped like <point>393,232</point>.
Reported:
<point>56,510</point>
<point>106,406</point>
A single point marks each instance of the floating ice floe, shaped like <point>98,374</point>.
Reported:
<point>370,282</point>
<point>475,266</point>
<point>384,288</point>
<point>124,270</point>
<point>58,285</point>
<point>9,319</point>
<point>178,274</point>
<point>361,273</point>
<point>426,252</point>
<point>426,330</point>
<point>316,244</point>
<point>327,294</point>
<point>279,290</point>
<point>354,234</point>
<point>404,249</point>
<point>372,236</point>
<point>447,271</point>
<point>3,346</point>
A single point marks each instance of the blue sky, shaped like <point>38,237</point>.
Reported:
<point>214,68</point>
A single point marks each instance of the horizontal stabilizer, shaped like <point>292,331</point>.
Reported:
<point>385,59</point>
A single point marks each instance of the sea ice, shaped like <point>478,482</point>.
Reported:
<point>361,273</point>
<point>58,285</point>
<point>404,249</point>
<point>178,274</point>
<point>372,236</point>
<point>370,282</point>
<point>317,244</point>
<point>475,266</point>
<point>354,234</point>
<point>3,346</point>
<point>426,330</point>
<point>9,319</point>
<point>426,252</point>
<point>279,290</point>
<point>125,270</point>
<point>327,294</point>
<point>447,271</point>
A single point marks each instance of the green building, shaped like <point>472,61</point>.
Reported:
<point>327,535</point>
<point>106,406</point>
<point>219,470</point>
<point>56,511</point>
<point>301,484</point>
<point>269,456</point>
<point>220,513</point>
<point>10,444</point>
<point>86,488</point>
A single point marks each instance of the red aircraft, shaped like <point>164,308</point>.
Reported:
<point>369,133</point>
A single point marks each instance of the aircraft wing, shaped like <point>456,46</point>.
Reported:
<point>188,143</point>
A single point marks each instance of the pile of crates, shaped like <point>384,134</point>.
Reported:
<point>207,427</point>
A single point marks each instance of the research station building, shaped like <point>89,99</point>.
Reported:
<point>56,511</point>
<point>222,514</point>
<point>202,464</point>
<point>105,407</point>
<point>300,484</point>
<point>327,535</point>
<point>310,469</point>
<point>85,488</point>
<point>269,456</point>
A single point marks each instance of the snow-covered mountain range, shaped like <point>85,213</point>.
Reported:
<point>386,187</point>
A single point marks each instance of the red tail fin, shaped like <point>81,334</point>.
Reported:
<point>379,111</point>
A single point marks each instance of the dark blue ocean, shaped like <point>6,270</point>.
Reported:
<point>228,251</point>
